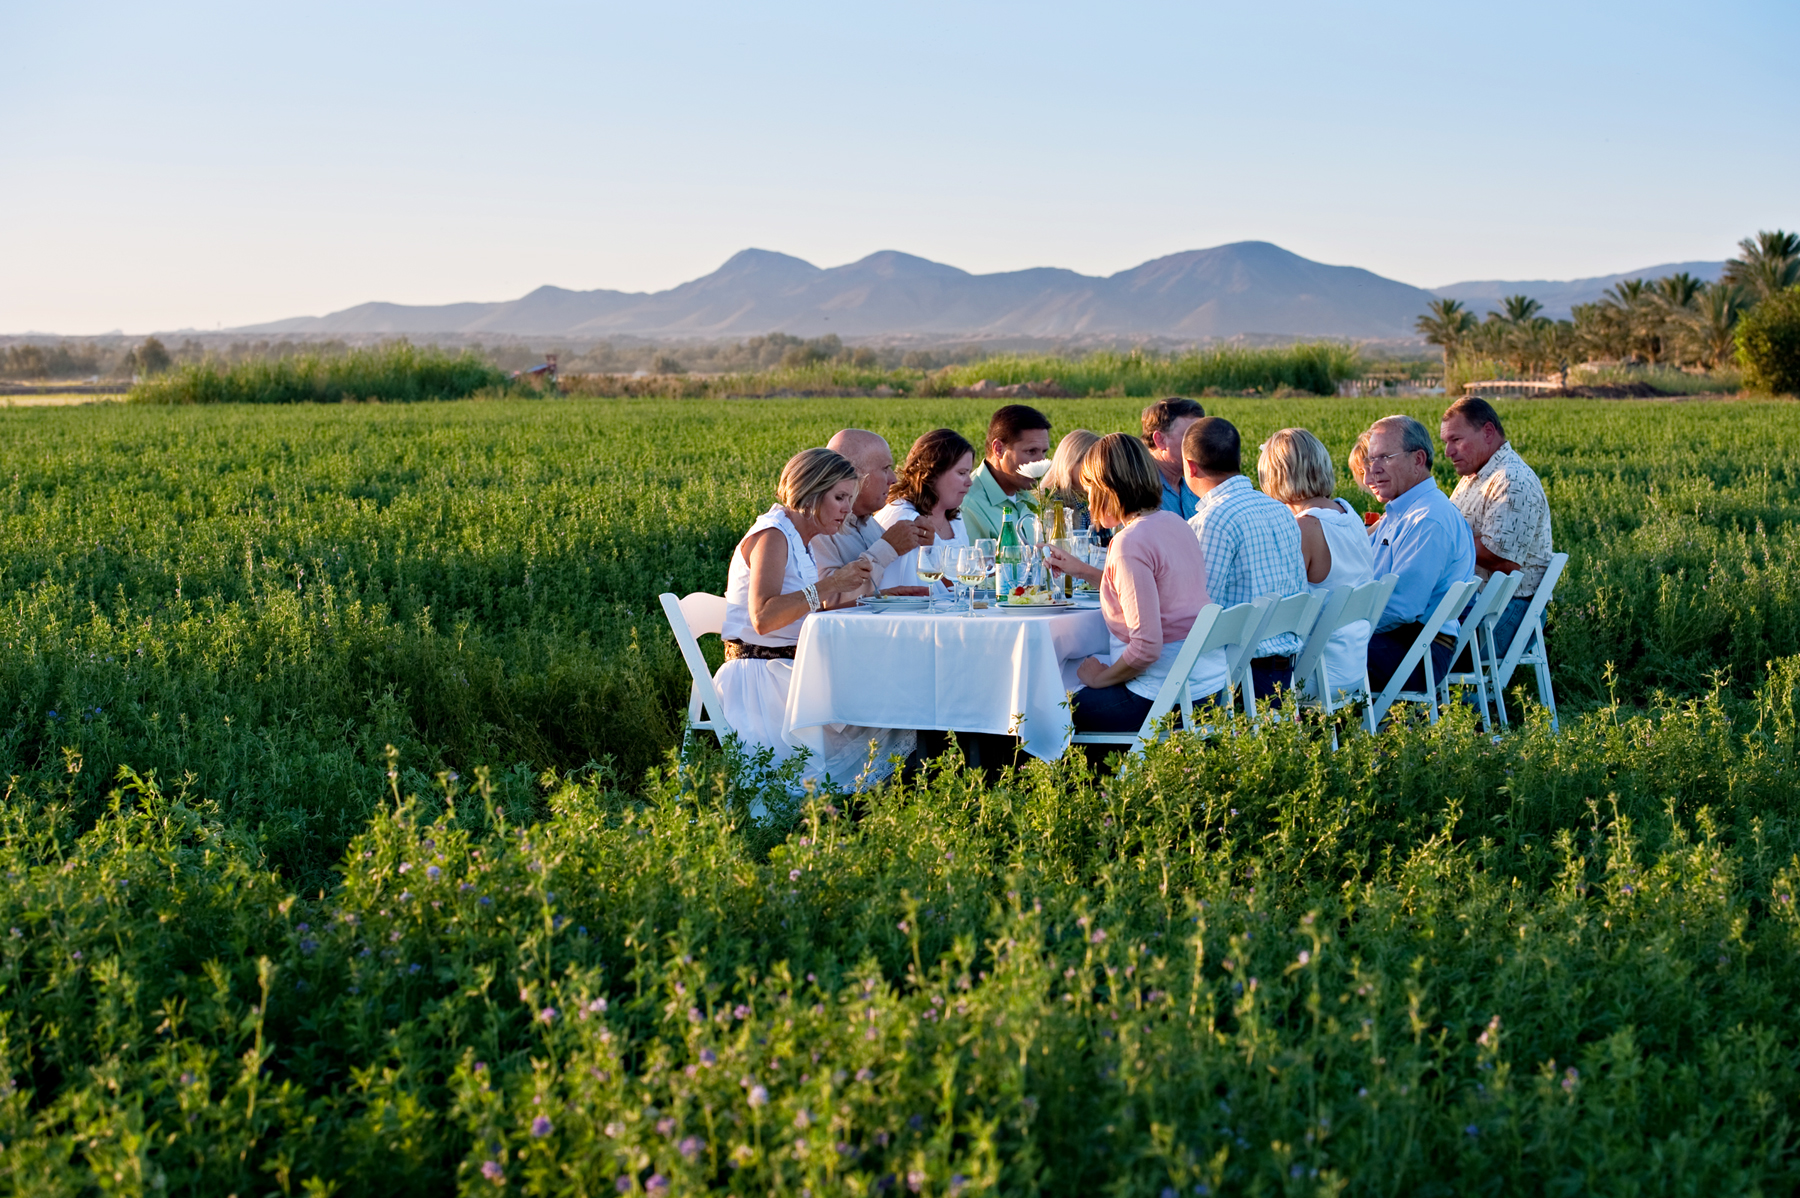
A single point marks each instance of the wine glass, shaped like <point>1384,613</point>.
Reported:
<point>1083,543</point>
<point>931,568</point>
<point>971,568</point>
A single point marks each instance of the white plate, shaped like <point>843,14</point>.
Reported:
<point>894,602</point>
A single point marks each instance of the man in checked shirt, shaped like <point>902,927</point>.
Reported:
<point>1251,541</point>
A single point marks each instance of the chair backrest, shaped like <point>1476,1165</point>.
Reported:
<point>1297,613</point>
<point>1533,621</point>
<point>1232,628</point>
<point>1290,613</point>
<point>1489,601</point>
<point>704,613</point>
<point>1214,628</point>
<point>703,698</point>
<point>1344,606</point>
<point>1456,597</point>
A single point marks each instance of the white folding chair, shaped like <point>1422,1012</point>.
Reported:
<point>698,615</point>
<point>1343,607</point>
<point>1483,613</point>
<point>1419,657</point>
<point>1528,648</point>
<point>1214,628</point>
<point>1292,613</point>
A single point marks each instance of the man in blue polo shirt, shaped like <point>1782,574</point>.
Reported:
<point>1422,538</point>
<point>1165,422</point>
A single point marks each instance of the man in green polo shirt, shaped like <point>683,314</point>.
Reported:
<point>1016,437</point>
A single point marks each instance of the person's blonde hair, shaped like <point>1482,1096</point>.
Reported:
<point>1294,465</point>
<point>808,475</point>
<point>1359,463</point>
<point>1064,478</point>
<point>1121,478</point>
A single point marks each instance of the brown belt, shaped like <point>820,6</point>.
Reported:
<point>737,649</point>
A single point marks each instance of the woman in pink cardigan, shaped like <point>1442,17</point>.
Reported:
<point>1153,587</point>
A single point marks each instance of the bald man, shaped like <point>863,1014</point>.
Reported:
<point>861,536</point>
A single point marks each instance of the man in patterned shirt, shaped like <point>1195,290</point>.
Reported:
<point>1503,501</point>
<point>1250,541</point>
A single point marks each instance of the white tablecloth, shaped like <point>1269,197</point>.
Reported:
<point>992,672</point>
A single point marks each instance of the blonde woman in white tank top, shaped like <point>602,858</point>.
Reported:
<point>1295,468</point>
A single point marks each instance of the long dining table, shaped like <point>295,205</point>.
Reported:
<point>993,670</point>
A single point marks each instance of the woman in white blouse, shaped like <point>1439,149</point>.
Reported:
<point>932,484</point>
<point>771,587</point>
<point>1295,468</point>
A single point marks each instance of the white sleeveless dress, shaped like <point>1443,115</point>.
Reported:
<point>905,570</point>
<point>753,692</point>
<point>1352,564</point>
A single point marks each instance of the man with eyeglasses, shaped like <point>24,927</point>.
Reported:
<point>1421,537</point>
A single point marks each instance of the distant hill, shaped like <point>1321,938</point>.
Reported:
<point>1249,287</point>
<point>1557,297</point>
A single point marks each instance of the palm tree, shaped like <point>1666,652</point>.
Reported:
<point>1445,323</point>
<point>1678,291</point>
<point>1633,300</point>
<point>1519,309</point>
<point>1713,320</point>
<point>1766,264</point>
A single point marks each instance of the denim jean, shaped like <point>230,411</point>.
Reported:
<point>1511,616</point>
<point>1508,625</point>
<point>1109,709</point>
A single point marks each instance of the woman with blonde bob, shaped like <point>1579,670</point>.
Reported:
<point>1151,591</point>
<point>771,587</point>
<point>1294,468</point>
<point>1063,481</point>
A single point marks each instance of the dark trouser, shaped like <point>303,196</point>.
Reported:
<point>1109,709</point>
<point>1387,648</point>
<point>1267,673</point>
<point>985,751</point>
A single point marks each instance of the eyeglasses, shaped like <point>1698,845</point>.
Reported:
<point>1382,459</point>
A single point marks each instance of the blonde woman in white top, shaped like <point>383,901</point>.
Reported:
<point>771,587</point>
<point>930,491</point>
<point>1294,468</point>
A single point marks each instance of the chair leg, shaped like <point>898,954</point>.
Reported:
<point>1487,724</point>
<point>1546,692</point>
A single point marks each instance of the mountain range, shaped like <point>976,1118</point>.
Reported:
<point>1248,287</point>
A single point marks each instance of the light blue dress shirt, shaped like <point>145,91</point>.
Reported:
<point>1425,540</point>
<point>1179,499</point>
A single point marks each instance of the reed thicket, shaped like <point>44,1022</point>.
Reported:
<point>396,372</point>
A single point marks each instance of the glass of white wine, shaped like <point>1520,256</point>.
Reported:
<point>931,570</point>
<point>971,568</point>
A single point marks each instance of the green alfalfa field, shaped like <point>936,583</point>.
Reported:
<point>250,949</point>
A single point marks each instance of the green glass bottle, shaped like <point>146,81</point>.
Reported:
<point>1009,559</point>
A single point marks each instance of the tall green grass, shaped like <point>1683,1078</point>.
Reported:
<point>1315,367</point>
<point>392,373</point>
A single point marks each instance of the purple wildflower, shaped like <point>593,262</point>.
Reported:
<point>541,1126</point>
<point>493,1172</point>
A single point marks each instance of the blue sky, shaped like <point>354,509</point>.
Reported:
<point>197,164</point>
